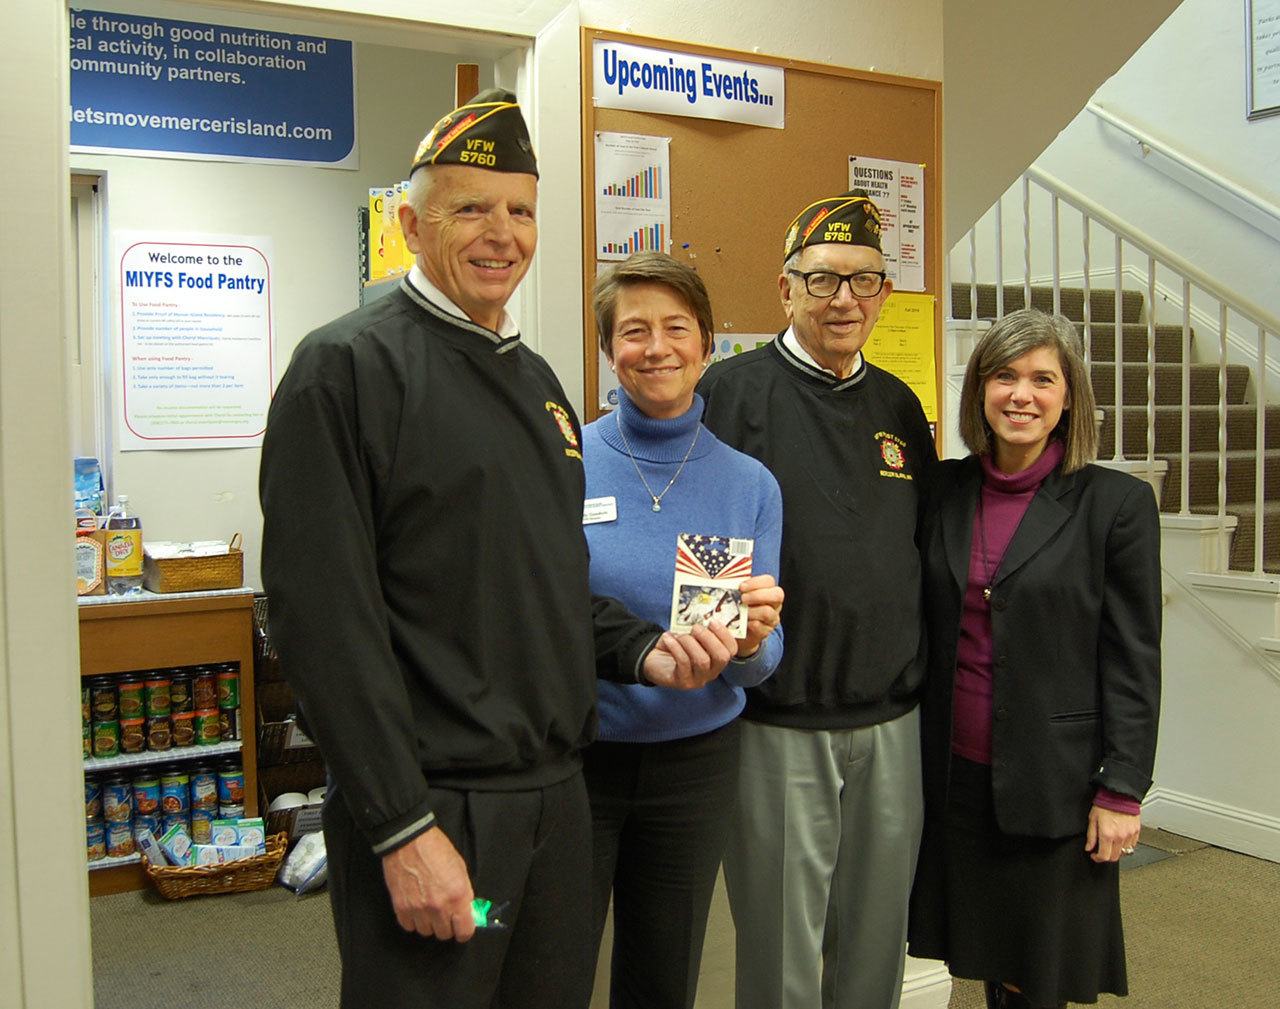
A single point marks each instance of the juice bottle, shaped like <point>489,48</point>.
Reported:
<point>124,550</point>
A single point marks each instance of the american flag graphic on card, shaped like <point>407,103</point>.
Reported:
<point>708,572</point>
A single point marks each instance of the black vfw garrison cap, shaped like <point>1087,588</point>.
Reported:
<point>487,132</point>
<point>849,219</point>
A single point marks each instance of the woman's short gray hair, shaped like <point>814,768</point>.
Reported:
<point>1007,340</point>
<point>650,268</point>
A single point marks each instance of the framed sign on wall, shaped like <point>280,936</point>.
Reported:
<point>1262,43</point>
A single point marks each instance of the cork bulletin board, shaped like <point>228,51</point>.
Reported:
<point>735,188</point>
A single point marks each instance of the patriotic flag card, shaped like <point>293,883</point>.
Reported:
<point>708,572</point>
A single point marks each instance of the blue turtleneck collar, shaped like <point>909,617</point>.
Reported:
<point>651,439</point>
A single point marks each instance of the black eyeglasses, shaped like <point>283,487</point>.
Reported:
<point>824,283</point>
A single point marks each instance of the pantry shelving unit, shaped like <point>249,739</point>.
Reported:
<point>154,631</point>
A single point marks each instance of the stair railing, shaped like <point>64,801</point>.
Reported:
<point>1153,259</point>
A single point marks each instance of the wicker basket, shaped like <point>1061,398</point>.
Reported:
<point>195,574</point>
<point>257,873</point>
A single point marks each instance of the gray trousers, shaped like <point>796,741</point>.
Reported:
<point>820,863</point>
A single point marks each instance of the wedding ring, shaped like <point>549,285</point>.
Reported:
<point>1127,851</point>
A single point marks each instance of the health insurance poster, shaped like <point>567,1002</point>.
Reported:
<point>194,353</point>
<point>897,187</point>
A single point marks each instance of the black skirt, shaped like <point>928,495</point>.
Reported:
<point>1036,912</point>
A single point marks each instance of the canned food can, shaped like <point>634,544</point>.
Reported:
<point>231,784</point>
<point>208,727</point>
<point>229,723</point>
<point>201,826</point>
<point>86,705</point>
<point>133,737</point>
<point>204,788</point>
<point>102,699</point>
<point>129,696</point>
<point>159,733</point>
<point>151,823</point>
<point>146,795</point>
<point>175,794</point>
<point>87,732</point>
<point>119,840</point>
<point>159,696</point>
<point>204,689</point>
<point>230,810</point>
<point>92,797</point>
<point>184,728</point>
<point>117,800</point>
<point>180,692</point>
<point>229,687</point>
<point>95,839</point>
<point>106,739</point>
<point>170,820</point>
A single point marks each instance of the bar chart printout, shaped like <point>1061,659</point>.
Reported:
<point>633,205</point>
<point>646,184</point>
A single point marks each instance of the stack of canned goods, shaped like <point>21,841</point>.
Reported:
<point>160,709</point>
<point>119,805</point>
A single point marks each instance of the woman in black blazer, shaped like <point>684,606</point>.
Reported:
<point>1042,598</point>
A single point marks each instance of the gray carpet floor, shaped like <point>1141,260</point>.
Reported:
<point>1202,928</point>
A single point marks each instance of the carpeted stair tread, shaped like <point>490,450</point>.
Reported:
<point>1102,342</point>
<point>1102,302</point>
<point>1202,470</point>
<point>1168,383</point>
<point>1241,428</point>
<point>1241,550</point>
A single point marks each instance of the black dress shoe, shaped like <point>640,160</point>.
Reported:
<point>1000,997</point>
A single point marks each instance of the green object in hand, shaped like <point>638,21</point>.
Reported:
<point>486,914</point>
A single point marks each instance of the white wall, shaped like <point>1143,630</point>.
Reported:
<point>1186,88</point>
<point>903,39</point>
<point>309,213</point>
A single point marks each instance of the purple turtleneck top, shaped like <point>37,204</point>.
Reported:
<point>1004,499</point>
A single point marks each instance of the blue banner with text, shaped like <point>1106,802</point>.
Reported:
<point>152,86</point>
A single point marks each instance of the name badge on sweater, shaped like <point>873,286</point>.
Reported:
<point>599,509</point>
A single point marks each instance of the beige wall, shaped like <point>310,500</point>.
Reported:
<point>1015,74</point>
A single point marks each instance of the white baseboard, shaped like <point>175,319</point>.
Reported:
<point>926,989</point>
<point>1215,823</point>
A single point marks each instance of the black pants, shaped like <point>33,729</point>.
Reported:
<point>660,818</point>
<point>529,848</point>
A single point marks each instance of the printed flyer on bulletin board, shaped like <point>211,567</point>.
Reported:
<point>902,343</point>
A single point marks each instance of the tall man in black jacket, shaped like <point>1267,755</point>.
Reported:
<point>422,489</point>
<point>820,864</point>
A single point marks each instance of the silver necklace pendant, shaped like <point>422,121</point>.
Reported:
<point>657,498</point>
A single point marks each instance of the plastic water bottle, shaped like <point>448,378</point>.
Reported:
<point>124,550</point>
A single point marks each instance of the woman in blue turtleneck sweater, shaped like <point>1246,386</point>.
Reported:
<point>663,774</point>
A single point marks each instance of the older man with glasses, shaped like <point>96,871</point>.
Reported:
<point>819,866</point>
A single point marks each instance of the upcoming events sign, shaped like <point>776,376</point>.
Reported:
<point>151,86</point>
<point>195,345</point>
<point>684,84</point>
